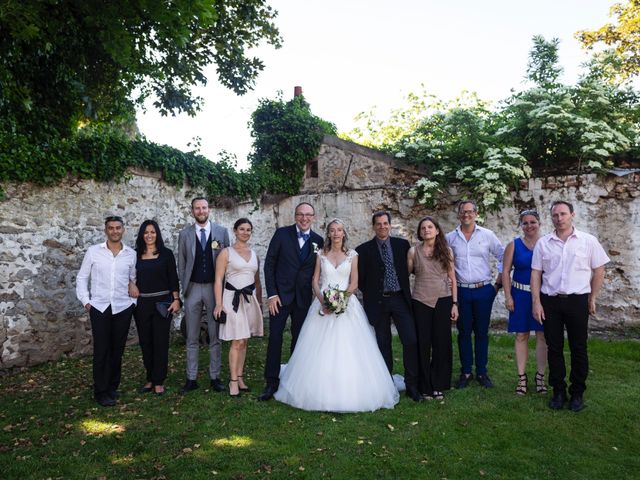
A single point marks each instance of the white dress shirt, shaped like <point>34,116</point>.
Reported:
<point>109,276</point>
<point>472,258</point>
<point>207,231</point>
<point>301,241</point>
<point>567,266</point>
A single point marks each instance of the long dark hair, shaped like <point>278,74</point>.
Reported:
<point>441,251</point>
<point>141,247</point>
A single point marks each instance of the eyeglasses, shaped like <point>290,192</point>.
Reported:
<point>113,218</point>
<point>467,212</point>
<point>306,215</point>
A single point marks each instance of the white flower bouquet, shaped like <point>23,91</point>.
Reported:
<point>336,300</point>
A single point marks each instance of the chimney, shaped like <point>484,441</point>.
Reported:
<point>297,91</point>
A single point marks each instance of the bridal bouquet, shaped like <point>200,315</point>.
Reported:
<point>336,300</point>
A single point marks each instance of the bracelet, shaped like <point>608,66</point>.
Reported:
<point>455,302</point>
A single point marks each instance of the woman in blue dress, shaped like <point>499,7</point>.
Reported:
<point>517,299</point>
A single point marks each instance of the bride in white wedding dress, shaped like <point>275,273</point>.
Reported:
<point>336,365</point>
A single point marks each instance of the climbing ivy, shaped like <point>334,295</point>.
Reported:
<point>286,135</point>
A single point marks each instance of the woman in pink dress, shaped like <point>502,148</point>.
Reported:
<point>237,290</point>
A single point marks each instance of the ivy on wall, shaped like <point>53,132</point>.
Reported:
<point>286,135</point>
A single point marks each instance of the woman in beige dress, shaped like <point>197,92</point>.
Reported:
<point>237,290</point>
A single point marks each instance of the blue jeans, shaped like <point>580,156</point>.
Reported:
<point>474,305</point>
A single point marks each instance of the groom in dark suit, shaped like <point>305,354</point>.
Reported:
<point>288,268</point>
<point>383,280</point>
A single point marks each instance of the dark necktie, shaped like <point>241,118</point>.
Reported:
<point>303,236</point>
<point>390,277</point>
<point>203,238</point>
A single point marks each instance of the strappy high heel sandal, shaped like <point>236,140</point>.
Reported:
<point>231,394</point>
<point>541,387</point>
<point>245,388</point>
<point>521,388</point>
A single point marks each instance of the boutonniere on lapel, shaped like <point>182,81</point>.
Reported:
<point>314,247</point>
<point>215,245</point>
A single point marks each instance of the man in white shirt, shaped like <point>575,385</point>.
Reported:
<point>473,246</point>
<point>109,266</point>
<point>566,276</point>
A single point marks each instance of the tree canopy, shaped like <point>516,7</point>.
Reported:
<point>623,36</point>
<point>488,150</point>
<point>63,62</point>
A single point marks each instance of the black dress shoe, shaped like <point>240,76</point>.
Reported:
<point>414,395</point>
<point>485,381</point>
<point>558,401</point>
<point>188,386</point>
<point>267,394</point>
<point>113,394</point>
<point>217,385</point>
<point>463,381</point>
<point>105,400</point>
<point>576,404</point>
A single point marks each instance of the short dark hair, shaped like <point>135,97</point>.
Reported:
<point>381,213</point>
<point>304,203</point>
<point>464,202</point>
<point>240,221</point>
<point>141,246</point>
<point>113,218</point>
<point>562,202</point>
<point>198,198</point>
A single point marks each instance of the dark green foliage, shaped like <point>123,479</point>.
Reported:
<point>286,136</point>
<point>66,61</point>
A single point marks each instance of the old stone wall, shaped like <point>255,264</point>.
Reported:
<point>44,233</point>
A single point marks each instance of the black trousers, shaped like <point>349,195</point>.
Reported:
<point>109,333</point>
<point>277,324</point>
<point>397,308</point>
<point>570,312</point>
<point>153,336</point>
<point>433,327</point>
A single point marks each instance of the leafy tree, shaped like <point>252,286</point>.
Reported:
<point>68,61</point>
<point>543,68</point>
<point>622,36</point>
<point>286,136</point>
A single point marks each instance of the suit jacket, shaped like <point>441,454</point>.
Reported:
<point>187,250</point>
<point>371,274</point>
<point>284,274</point>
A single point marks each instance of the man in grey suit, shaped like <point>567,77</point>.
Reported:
<point>198,247</point>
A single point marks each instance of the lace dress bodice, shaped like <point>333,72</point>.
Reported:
<point>332,276</point>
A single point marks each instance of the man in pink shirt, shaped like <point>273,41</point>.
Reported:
<point>567,273</point>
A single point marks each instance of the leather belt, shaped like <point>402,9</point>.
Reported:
<point>391,294</point>
<point>521,286</point>
<point>473,285</point>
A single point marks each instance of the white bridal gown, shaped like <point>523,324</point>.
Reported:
<point>336,365</point>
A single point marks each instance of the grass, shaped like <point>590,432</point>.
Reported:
<point>51,428</point>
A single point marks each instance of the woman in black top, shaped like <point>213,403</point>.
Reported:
<point>157,281</point>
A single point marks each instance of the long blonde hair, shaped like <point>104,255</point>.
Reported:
<point>327,240</point>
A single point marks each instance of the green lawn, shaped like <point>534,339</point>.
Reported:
<point>51,428</point>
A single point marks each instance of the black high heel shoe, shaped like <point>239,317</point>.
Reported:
<point>521,388</point>
<point>540,385</point>
<point>231,394</point>
<point>243,389</point>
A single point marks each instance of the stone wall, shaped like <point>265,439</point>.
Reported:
<point>44,233</point>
